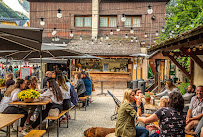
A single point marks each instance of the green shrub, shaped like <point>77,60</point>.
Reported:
<point>182,87</point>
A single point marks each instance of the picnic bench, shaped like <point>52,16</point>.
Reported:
<point>83,99</point>
<point>35,133</point>
<point>63,112</point>
<point>7,120</point>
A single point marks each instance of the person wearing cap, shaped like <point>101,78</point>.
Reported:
<point>88,84</point>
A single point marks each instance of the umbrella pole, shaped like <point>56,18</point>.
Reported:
<point>41,70</point>
<point>70,69</point>
<point>136,67</point>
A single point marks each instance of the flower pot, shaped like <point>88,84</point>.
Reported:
<point>147,99</point>
<point>28,100</point>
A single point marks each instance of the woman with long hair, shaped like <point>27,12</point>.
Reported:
<point>56,101</point>
<point>11,95</point>
<point>125,124</point>
<point>65,91</point>
<point>9,80</point>
<point>172,119</point>
<point>33,84</point>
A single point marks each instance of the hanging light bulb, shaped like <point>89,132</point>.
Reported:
<point>95,38</point>
<point>157,33</point>
<point>171,36</point>
<point>154,41</point>
<point>172,53</point>
<point>107,37</point>
<point>143,42</point>
<point>145,35</point>
<point>192,25</point>
<point>194,49</point>
<point>149,9</point>
<point>54,31</point>
<point>123,18</point>
<point>59,14</point>
<point>179,57</point>
<point>92,41</point>
<point>71,33</point>
<point>131,40</point>
<point>177,25</point>
<point>120,42</point>
<point>131,30</point>
<point>172,31</point>
<point>135,37</point>
<point>200,47</point>
<point>80,37</point>
<point>100,42</point>
<point>175,57</point>
<point>111,32</point>
<point>189,50</point>
<point>42,22</point>
<point>118,29</point>
<point>102,38</point>
<point>53,39</point>
<point>126,36</point>
<point>136,40</point>
<point>163,29</point>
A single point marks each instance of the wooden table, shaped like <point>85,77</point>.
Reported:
<point>102,85</point>
<point>35,103</point>
<point>4,87</point>
<point>151,107</point>
<point>8,119</point>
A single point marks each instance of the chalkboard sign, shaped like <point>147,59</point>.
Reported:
<point>25,71</point>
<point>106,67</point>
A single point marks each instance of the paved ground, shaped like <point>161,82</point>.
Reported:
<point>97,115</point>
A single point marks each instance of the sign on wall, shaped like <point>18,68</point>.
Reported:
<point>25,71</point>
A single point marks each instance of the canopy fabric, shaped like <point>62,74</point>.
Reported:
<point>48,60</point>
<point>86,56</point>
<point>20,38</point>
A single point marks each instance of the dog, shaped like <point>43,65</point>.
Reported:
<point>98,132</point>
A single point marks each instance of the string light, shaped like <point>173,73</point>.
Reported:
<point>172,31</point>
<point>135,37</point>
<point>71,33</point>
<point>100,42</point>
<point>189,50</point>
<point>80,37</point>
<point>111,32</point>
<point>163,29</point>
<point>118,29</point>
<point>150,11</point>
<point>192,25</point>
<point>200,47</point>
<point>123,18</point>
<point>54,31</point>
<point>177,25</point>
<point>92,41</point>
<point>59,14</point>
<point>102,38</point>
<point>157,33</point>
<point>143,42</point>
<point>179,57</point>
<point>107,37</point>
<point>136,40</point>
<point>131,40</point>
<point>126,36</point>
<point>145,35</point>
<point>42,23</point>
<point>120,42</point>
<point>95,38</point>
<point>194,49</point>
<point>53,39</point>
<point>131,30</point>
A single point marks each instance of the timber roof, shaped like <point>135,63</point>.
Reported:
<point>100,0</point>
<point>182,37</point>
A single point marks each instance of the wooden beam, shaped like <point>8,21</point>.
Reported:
<point>177,64</point>
<point>194,57</point>
<point>192,71</point>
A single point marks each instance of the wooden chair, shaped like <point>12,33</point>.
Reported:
<point>83,99</point>
<point>58,119</point>
<point>35,133</point>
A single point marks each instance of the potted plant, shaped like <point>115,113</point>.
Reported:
<point>2,82</point>
<point>28,95</point>
<point>147,97</point>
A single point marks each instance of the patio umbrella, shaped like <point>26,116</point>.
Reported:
<point>48,60</point>
<point>85,56</point>
<point>20,38</point>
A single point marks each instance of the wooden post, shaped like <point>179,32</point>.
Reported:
<point>191,71</point>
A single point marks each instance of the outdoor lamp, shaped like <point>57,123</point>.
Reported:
<point>59,14</point>
<point>80,37</point>
<point>177,25</point>
<point>200,47</point>
<point>157,33</point>
<point>131,40</point>
<point>163,30</point>
<point>145,35</point>
<point>54,31</point>
<point>123,18</point>
<point>131,30</point>
<point>107,37</point>
<point>194,49</point>
<point>192,25</point>
<point>118,29</point>
<point>135,37</point>
<point>149,9</point>
<point>71,33</point>
<point>42,22</point>
<point>111,32</point>
<point>126,36</point>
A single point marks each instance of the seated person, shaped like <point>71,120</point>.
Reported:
<point>125,124</point>
<point>195,112</point>
<point>171,119</point>
<point>80,86</point>
<point>190,92</point>
<point>48,75</point>
<point>138,108</point>
<point>9,80</point>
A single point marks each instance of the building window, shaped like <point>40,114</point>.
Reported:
<point>108,21</point>
<point>133,22</point>
<point>83,21</point>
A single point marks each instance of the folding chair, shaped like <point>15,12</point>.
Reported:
<point>118,104</point>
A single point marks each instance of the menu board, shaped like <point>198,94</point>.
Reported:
<point>25,71</point>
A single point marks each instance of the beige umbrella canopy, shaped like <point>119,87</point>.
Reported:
<point>20,38</point>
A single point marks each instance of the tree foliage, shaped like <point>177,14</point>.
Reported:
<point>5,11</point>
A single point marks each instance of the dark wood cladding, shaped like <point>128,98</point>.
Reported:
<point>48,11</point>
<point>101,1</point>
